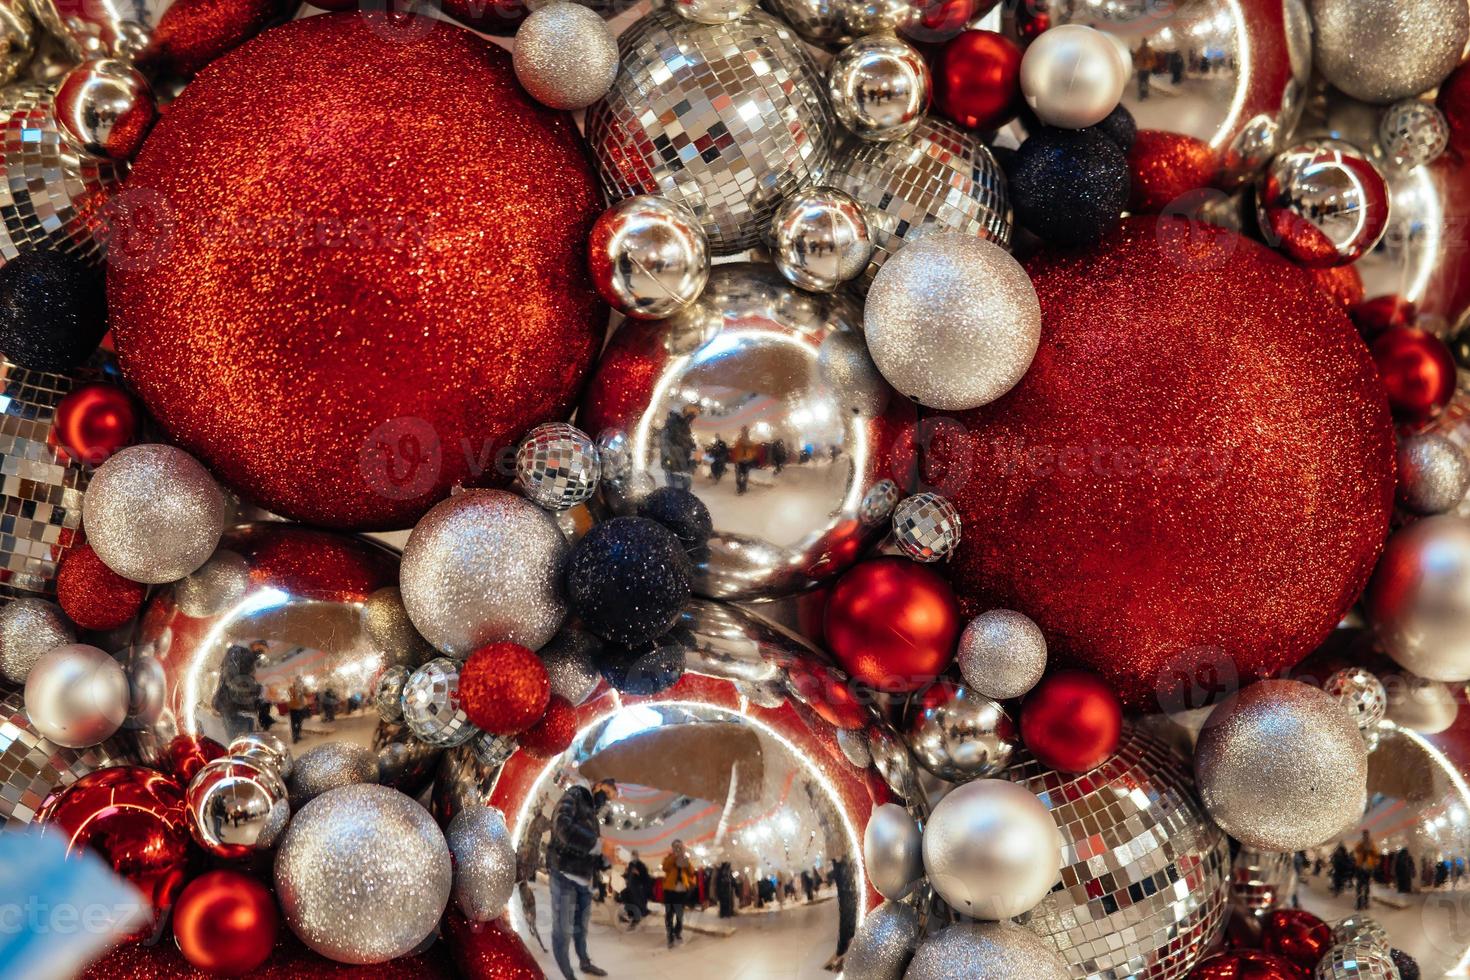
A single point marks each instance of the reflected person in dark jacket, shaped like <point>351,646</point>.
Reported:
<point>573,857</point>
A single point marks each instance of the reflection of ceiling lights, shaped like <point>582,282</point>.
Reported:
<point>626,723</point>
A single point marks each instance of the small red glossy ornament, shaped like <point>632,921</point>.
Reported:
<point>94,596</point>
<point>185,755</point>
<point>1418,372</point>
<point>977,80</point>
<point>1296,935</point>
<point>1247,964</point>
<point>1380,313</point>
<point>96,420</point>
<point>225,923</point>
<point>892,624</point>
<point>1071,721</point>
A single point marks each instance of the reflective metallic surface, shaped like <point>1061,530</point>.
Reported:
<point>1262,880</point>
<point>18,38</point>
<point>264,750</point>
<point>1073,76</point>
<point>762,402</point>
<point>557,466</point>
<point>1419,598</point>
<point>958,734</point>
<point>649,256</point>
<point>820,239</point>
<point>1413,133</point>
<point>287,649</point>
<point>236,807</point>
<point>893,852</point>
<point>864,17</point>
<point>105,108</point>
<point>1323,203</point>
<point>33,767</point>
<point>820,22</point>
<point>879,87</point>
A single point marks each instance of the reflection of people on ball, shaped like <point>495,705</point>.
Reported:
<point>678,447</point>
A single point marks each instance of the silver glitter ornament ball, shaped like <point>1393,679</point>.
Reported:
<point>431,704</point>
<point>264,750</point>
<point>77,695</point>
<point>712,11</point>
<point>565,56</point>
<point>958,734</point>
<point>28,628</point>
<point>884,944</point>
<point>32,767</point>
<point>236,808</point>
<point>952,321</point>
<point>323,768</point>
<point>939,176</point>
<point>893,852</point>
<point>820,239</point>
<point>926,527</point>
<point>992,850</point>
<point>1413,133</point>
<point>1384,50</point>
<point>388,625</point>
<point>482,567</point>
<point>363,874</point>
<point>1073,76</point>
<point>726,119</point>
<point>1419,598</point>
<point>985,951</point>
<point>1002,654</point>
<point>1361,695</point>
<point>484,862</point>
<point>1281,766</point>
<point>153,513</point>
<point>1357,962</point>
<point>557,466</point>
<point>388,696</point>
<point>1145,873</point>
<point>879,87</point>
<point>571,665</point>
<point>1433,473</point>
<point>649,256</point>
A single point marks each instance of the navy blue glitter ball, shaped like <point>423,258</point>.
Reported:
<point>53,310</point>
<point>1069,186</point>
<point>1120,128</point>
<point>681,512</point>
<point>643,670</point>
<point>628,579</point>
<point>1408,967</point>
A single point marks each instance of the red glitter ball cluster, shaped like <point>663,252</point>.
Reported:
<point>503,688</point>
<point>553,734</point>
<point>94,596</point>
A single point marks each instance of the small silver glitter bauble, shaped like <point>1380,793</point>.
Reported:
<point>1360,930</point>
<point>1145,872</point>
<point>388,696</point>
<point>153,513</point>
<point>926,527</point>
<point>1262,880</point>
<point>985,951</point>
<point>712,11</point>
<point>32,767</point>
<point>958,734</point>
<point>854,746</point>
<point>893,851</point>
<point>1281,766</point>
<point>105,107</point>
<point>820,240</point>
<point>884,944</point>
<point>1433,473</point>
<point>939,176</point>
<point>263,749</point>
<point>1361,694</point>
<point>431,704</point>
<point>864,17</point>
<point>726,119</point>
<point>1357,962</point>
<point>484,862</point>
<point>1419,598</point>
<point>952,321</point>
<point>77,695</point>
<point>236,808</point>
<point>387,623</point>
<point>363,874</point>
<point>1323,203</point>
<point>571,665</point>
<point>991,849</point>
<point>649,256</point>
<point>28,628</point>
<point>1413,133</point>
<point>565,56</point>
<point>1384,50</point>
<point>1073,76</point>
<point>1002,654</point>
<point>215,586</point>
<point>879,86</point>
<point>482,567</point>
<point>327,767</point>
<point>557,466</point>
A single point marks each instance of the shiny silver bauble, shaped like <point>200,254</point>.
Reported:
<point>820,239</point>
<point>236,808</point>
<point>763,403</point>
<point>879,86</point>
<point>105,108</point>
<point>712,11</point>
<point>649,256</point>
<point>76,695</point>
<point>1323,203</point>
<point>1073,76</point>
<point>263,749</point>
<point>1419,598</point>
<point>1262,880</point>
<point>959,734</point>
<point>1433,472</point>
<point>893,851</point>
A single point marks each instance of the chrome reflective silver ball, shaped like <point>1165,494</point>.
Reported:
<point>484,862</point>
<point>1361,695</point>
<point>926,527</point>
<point>1322,203</point>
<point>76,695</point>
<point>649,256</point>
<point>1413,133</point>
<point>1419,598</point>
<point>28,628</point>
<point>105,108</point>
<point>884,943</point>
<point>712,11</point>
<point>863,17</point>
<point>985,951</point>
<point>557,466</point>
<point>892,760</point>
<point>431,706</point>
<point>819,22</point>
<point>236,808</point>
<point>893,852</point>
<point>958,734</point>
<point>763,403</point>
<point>1073,76</point>
<point>1002,654</point>
<point>820,240</point>
<point>264,750</point>
<point>388,696</point>
<point>565,56</point>
<point>1383,50</point>
<point>879,87</point>
<point>992,850</point>
<point>1434,473</point>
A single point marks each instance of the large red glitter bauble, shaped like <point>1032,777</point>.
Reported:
<point>892,624</point>
<point>1071,721</point>
<point>504,688</point>
<point>225,923</point>
<point>489,950</point>
<point>369,275</point>
<point>94,596</point>
<point>1192,482</point>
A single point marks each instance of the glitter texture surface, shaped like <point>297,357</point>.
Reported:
<point>371,276</point>
<point>1193,480</point>
<point>1382,50</point>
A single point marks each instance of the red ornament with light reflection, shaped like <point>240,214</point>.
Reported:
<point>1192,482</point>
<point>134,819</point>
<point>504,688</point>
<point>225,923</point>
<point>1247,964</point>
<point>1071,721</point>
<point>977,80</point>
<point>94,596</point>
<point>1418,371</point>
<point>892,624</point>
<point>185,755</point>
<point>1296,935</point>
<point>374,273</point>
<point>94,421</point>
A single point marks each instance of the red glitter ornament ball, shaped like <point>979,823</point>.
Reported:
<point>96,420</point>
<point>489,950</point>
<point>553,734</point>
<point>369,275</point>
<point>192,33</point>
<point>1296,935</point>
<point>977,79</point>
<point>1192,482</point>
<point>94,596</point>
<point>1247,964</point>
<point>504,689</point>
<point>1071,721</point>
<point>1418,371</point>
<point>892,624</point>
<point>1170,170</point>
<point>225,923</point>
<point>290,960</point>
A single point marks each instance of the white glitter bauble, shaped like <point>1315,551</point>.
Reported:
<point>1433,473</point>
<point>565,56</point>
<point>484,862</point>
<point>76,695</point>
<point>28,628</point>
<point>985,951</point>
<point>1384,50</point>
<point>884,944</point>
<point>1002,654</point>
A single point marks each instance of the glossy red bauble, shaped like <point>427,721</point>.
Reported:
<point>504,688</point>
<point>368,276</point>
<point>94,596</point>
<point>977,80</point>
<point>1382,313</point>
<point>1296,935</point>
<point>225,923</point>
<point>94,421</point>
<point>290,960</point>
<point>1247,964</point>
<point>1071,721</point>
<point>185,755</point>
<point>1418,371</point>
<point>892,624</point>
<point>1192,482</point>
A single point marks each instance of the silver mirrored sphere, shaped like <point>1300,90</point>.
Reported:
<point>105,108</point>
<point>863,17</point>
<point>820,240</point>
<point>959,734</point>
<point>32,767</point>
<point>892,851</point>
<point>649,256</point>
<point>1413,133</point>
<point>1419,598</point>
<point>1323,203</point>
<point>431,706</point>
<point>236,808</point>
<point>819,22</point>
<point>1362,930</point>
<point>76,695</point>
<point>388,698</point>
<point>263,749</point>
<point>1354,961</point>
<point>557,466</point>
<point>926,527</point>
<point>1361,695</point>
<point>879,87</point>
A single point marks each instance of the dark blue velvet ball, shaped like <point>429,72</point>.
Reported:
<point>681,512</point>
<point>1069,186</point>
<point>628,579</point>
<point>53,310</point>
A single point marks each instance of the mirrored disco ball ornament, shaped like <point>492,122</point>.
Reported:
<point>1413,133</point>
<point>926,527</point>
<point>1145,873</point>
<point>431,704</point>
<point>1361,695</point>
<point>939,176</point>
<point>726,119</point>
<point>1360,930</point>
<point>33,767</point>
<point>557,466</point>
<point>1262,880</point>
<point>1357,962</point>
<point>388,698</point>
